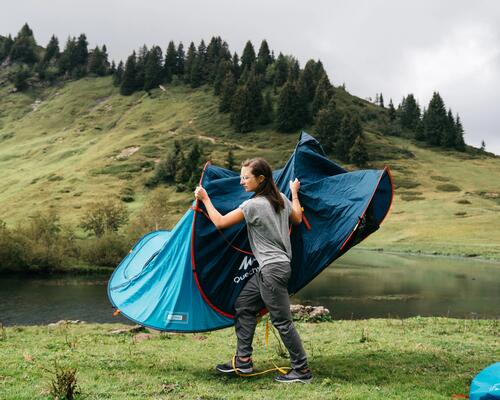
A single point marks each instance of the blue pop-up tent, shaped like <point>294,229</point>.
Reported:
<point>486,384</point>
<point>187,279</point>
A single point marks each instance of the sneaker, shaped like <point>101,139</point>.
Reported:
<point>242,367</point>
<point>295,375</point>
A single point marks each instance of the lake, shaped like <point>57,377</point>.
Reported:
<point>361,284</point>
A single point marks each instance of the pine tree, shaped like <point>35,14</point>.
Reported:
<point>104,60</point>
<point>483,145</point>
<point>288,114</point>
<point>409,113</point>
<point>230,161</point>
<point>201,65</point>
<point>166,170</point>
<point>81,56</point>
<point>227,92</point>
<point>21,77</point>
<point>190,57</point>
<point>193,161</point>
<point>392,111</point>
<point>350,129</point>
<point>118,74</point>
<point>327,126</point>
<point>310,78</point>
<point>248,56</point>
<point>129,81</point>
<point>180,60</point>
<point>449,133</point>
<point>420,129</point>
<point>52,50</point>
<point>358,153</point>
<point>223,68</point>
<point>242,115</point>
<point>153,71</point>
<point>170,65</point>
<point>322,95</point>
<point>255,94</point>
<point>436,120</point>
<point>98,61</point>
<point>68,60</point>
<point>263,58</point>
<point>213,58</point>
<point>381,100</point>
<point>266,116</point>
<point>5,47</point>
<point>293,70</point>
<point>197,73</point>
<point>281,71</point>
<point>303,100</point>
<point>24,47</point>
<point>236,66</point>
<point>142,56</point>
<point>459,131</point>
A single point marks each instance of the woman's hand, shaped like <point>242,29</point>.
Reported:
<point>200,193</point>
<point>295,186</point>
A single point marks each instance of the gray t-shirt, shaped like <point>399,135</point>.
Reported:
<point>268,231</point>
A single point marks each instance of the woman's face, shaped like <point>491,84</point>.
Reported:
<point>248,180</point>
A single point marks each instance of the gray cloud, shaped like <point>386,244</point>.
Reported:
<point>373,46</point>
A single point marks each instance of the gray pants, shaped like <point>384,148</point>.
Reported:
<point>268,288</point>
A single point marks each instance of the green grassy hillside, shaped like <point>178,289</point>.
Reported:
<point>67,146</point>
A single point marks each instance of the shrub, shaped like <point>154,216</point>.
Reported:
<point>106,250</point>
<point>440,178</point>
<point>104,217</point>
<point>64,383</point>
<point>46,244</point>
<point>127,194</point>
<point>405,183</point>
<point>11,250</point>
<point>448,187</point>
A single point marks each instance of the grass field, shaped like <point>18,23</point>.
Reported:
<point>64,147</point>
<point>417,358</point>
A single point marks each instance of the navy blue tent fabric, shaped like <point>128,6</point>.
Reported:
<point>341,207</point>
<point>187,280</point>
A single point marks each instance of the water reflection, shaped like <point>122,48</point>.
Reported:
<point>361,284</point>
<point>364,284</point>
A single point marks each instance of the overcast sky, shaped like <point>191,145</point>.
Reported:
<point>393,47</point>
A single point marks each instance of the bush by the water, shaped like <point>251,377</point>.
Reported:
<point>107,250</point>
<point>42,244</point>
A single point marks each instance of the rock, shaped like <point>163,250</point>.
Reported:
<point>140,337</point>
<point>66,322</point>
<point>309,313</point>
<point>133,329</point>
<point>127,152</point>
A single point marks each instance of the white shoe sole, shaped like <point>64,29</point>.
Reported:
<point>297,380</point>
<point>232,371</point>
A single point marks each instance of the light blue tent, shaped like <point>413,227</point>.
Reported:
<point>187,280</point>
<point>486,384</point>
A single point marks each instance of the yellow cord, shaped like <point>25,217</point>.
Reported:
<point>281,370</point>
<point>267,332</point>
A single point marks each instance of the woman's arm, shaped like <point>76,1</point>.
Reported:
<point>220,221</point>
<point>296,215</point>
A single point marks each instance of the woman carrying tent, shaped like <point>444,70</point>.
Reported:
<point>267,216</point>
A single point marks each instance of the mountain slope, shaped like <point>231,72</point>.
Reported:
<point>67,146</point>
